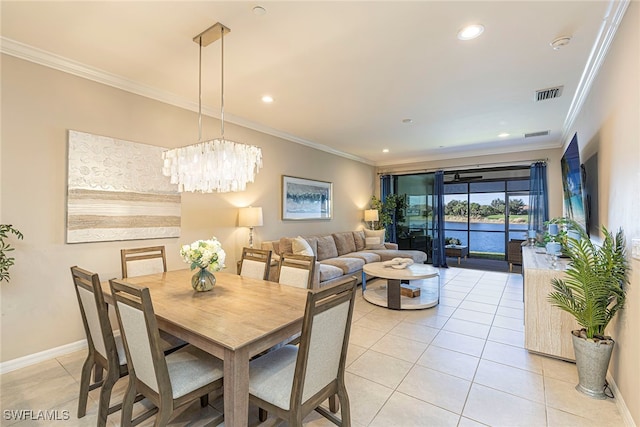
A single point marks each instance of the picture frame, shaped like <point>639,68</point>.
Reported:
<point>306,199</point>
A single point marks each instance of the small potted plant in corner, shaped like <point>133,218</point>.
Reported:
<point>593,291</point>
<point>6,261</point>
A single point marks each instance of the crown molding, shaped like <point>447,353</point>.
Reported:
<point>608,28</point>
<point>66,65</point>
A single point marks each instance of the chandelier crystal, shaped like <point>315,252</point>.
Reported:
<point>216,165</point>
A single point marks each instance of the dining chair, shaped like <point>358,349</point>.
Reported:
<point>168,381</point>
<point>141,261</point>
<point>106,354</point>
<point>293,380</point>
<point>296,270</point>
<point>255,263</point>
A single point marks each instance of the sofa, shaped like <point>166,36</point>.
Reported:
<point>340,254</point>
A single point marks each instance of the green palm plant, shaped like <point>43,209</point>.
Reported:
<point>595,287</point>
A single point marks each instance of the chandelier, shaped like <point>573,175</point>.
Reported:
<point>217,165</point>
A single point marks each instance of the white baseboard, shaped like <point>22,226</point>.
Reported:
<point>622,406</point>
<point>32,359</point>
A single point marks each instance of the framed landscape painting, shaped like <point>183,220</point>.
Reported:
<point>306,199</point>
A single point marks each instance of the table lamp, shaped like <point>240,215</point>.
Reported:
<point>371,215</point>
<point>250,217</point>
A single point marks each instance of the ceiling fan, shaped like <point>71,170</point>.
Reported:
<point>458,178</point>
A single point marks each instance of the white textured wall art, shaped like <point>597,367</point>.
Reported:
<point>116,191</point>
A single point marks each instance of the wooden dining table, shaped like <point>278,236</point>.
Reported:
<point>238,319</point>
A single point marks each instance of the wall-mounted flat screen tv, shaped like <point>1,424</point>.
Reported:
<point>572,185</point>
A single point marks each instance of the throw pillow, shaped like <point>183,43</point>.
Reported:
<point>301,247</point>
<point>373,243</point>
<point>375,233</point>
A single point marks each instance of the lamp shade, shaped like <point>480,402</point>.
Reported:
<point>371,215</point>
<point>250,217</point>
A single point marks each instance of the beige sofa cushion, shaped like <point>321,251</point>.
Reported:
<point>373,243</point>
<point>329,272</point>
<point>344,242</point>
<point>284,245</point>
<point>326,248</point>
<point>368,257</point>
<point>375,233</point>
<point>388,254</point>
<point>358,238</point>
<point>301,247</point>
<point>347,265</point>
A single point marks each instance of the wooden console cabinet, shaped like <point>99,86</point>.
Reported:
<point>547,329</point>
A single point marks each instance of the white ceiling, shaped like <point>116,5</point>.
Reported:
<point>343,74</point>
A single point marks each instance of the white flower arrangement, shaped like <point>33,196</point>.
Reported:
<point>204,254</point>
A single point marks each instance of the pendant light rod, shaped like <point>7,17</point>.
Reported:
<point>222,82</point>
<point>205,38</point>
<point>200,91</point>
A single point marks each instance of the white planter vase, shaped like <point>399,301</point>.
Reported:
<point>592,361</point>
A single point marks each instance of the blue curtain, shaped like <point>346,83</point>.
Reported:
<point>385,190</point>
<point>439,256</point>
<point>538,198</point>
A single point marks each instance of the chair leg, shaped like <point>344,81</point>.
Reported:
<point>97,373</point>
<point>105,398</point>
<point>162,418</point>
<point>334,404</point>
<point>85,378</point>
<point>262,415</point>
<point>345,409</point>
<point>127,404</point>
<point>204,400</point>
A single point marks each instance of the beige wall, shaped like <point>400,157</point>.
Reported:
<point>609,124</point>
<point>39,105</point>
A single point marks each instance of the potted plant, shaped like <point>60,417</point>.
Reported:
<point>593,291</point>
<point>451,241</point>
<point>565,227</point>
<point>390,212</point>
<point>6,261</point>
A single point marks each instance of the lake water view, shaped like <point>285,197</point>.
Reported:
<point>484,236</point>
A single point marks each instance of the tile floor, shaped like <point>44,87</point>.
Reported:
<point>461,363</point>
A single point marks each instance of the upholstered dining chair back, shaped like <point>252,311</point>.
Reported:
<point>296,270</point>
<point>293,381</point>
<point>255,263</point>
<point>167,381</point>
<point>141,261</point>
<point>105,350</point>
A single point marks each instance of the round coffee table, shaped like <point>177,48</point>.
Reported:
<point>418,276</point>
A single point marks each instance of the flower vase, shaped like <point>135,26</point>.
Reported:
<point>203,280</point>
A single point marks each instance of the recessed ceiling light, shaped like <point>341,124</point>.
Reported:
<point>267,99</point>
<point>470,32</point>
<point>386,150</point>
<point>558,43</point>
<point>259,10</point>
<point>503,135</point>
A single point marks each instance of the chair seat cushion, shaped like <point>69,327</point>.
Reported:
<point>271,376</point>
<point>191,368</point>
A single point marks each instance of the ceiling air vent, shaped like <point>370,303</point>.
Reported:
<point>532,134</point>
<point>549,93</point>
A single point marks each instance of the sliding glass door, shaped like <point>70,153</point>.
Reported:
<point>415,231</point>
<point>481,213</point>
